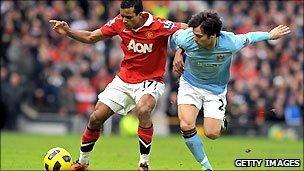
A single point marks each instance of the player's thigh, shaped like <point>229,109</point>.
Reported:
<point>147,94</point>
<point>214,111</point>
<point>187,114</point>
<point>116,98</point>
<point>188,95</point>
<point>214,105</point>
<point>189,102</point>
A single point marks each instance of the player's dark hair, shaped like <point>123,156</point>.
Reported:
<point>136,4</point>
<point>209,21</point>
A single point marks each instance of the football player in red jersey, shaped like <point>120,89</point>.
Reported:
<point>139,83</point>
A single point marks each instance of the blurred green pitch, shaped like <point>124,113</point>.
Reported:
<point>25,151</point>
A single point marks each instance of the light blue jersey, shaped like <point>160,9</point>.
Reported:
<point>210,69</point>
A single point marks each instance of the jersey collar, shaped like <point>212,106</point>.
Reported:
<point>148,22</point>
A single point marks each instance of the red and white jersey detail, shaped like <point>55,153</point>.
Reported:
<point>145,49</point>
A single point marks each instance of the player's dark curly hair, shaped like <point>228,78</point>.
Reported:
<point>136,4</point>
<point>209,22</point>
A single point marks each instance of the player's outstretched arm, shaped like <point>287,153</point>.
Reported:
<point>278,32</point>
<point>61,27</point>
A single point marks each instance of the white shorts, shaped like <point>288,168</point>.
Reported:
<point>122,97</point>
<point>214,105</point>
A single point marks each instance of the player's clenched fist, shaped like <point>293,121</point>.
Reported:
<point>60,27</point>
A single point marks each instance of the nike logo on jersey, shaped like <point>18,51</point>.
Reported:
<point>139,47</point>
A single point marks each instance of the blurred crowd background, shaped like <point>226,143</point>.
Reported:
<point>54,74</point>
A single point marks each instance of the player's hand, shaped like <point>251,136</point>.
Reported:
<point>178,62</point>
<point>278,32</point>
<point>184,26</point>
<point>61,27</point>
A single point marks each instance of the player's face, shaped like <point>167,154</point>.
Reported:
<point>130,19</point>
<point>201,38</point>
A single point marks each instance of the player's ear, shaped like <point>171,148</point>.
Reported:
<point>140,14</point>
<point>212,36</point>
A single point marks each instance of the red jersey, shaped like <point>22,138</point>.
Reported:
<point>145,49</point>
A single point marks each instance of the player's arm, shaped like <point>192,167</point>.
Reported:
<point>243,40</point>
<point>178,62</point>
<point>176,47</point>
<point>273,34</point>
<point>184,26</point>
<point>61,27</point>
<point>86,36</point>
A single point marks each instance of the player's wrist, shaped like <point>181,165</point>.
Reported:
<point>180,50</point>
<point>68,31</point>
<point>271,36</point>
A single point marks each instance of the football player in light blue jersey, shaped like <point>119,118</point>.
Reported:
<point>205,74</point>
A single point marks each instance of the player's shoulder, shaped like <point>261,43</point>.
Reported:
<point>183,38</point>
<point>227,37</point>
<point>162,23</point>
<point>227,34</point>
<point>160,20</point>
<point>184,33</point>
<point>117,20</point>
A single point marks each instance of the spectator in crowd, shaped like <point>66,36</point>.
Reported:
<point>4,82</point>
<point>13,92</point>
<point>292,112</point>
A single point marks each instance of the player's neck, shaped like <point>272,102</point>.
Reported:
<point>212,44</point>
